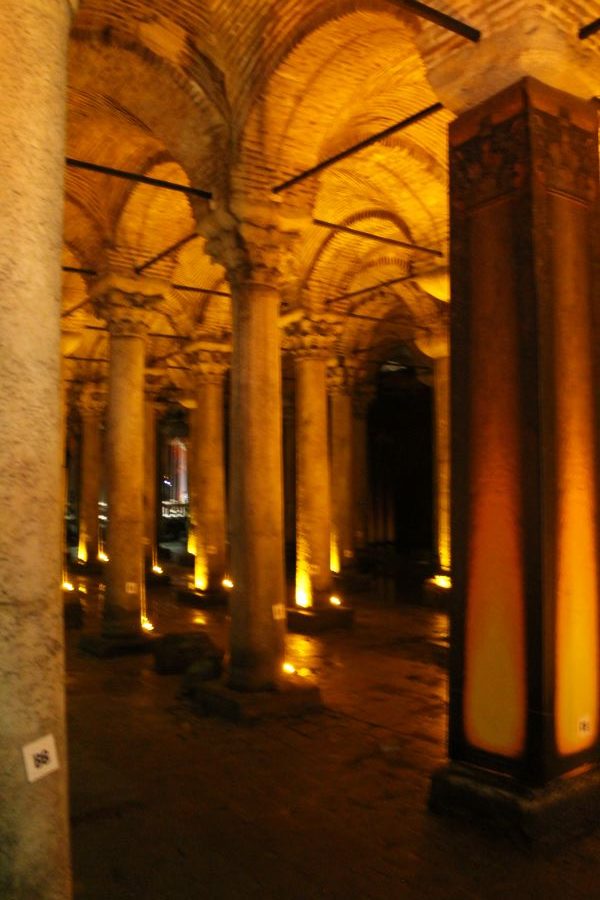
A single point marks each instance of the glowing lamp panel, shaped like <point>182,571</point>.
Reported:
<point>495,666</point>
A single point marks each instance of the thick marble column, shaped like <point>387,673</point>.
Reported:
<point>525,660</point>
<point>92,402</point>
<point>124,301</point>
<point>341,449</point>
<point>208,465</point>
<point>34,841</point>
<point>311,340</point>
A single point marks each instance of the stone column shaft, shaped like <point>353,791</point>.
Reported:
<point>91,479</point>
<point>313,501</point>
<point>125,479</point>
<point>360,441</point>
<point>341,479</point>
<point>441,399</point>
<point>150,482</point>
<point>34,842</point>
<point>208,453</point>
<point>257,549</point>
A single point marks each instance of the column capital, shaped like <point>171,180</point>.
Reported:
<point>209,366</point>
<point>342,378</point>
<point>92,400</point>
<point>435,342</point>
<point>125,299</point>
<point>313,336</point>
<point>246,240</point>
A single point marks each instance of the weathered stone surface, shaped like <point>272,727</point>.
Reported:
<point>291,697</point>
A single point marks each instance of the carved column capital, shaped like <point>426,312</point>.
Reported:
<point>209,366</point>
<point>342,378</point>
<point>245,239</point>
<point>125,300</point>
<point>313,336</point>
<point>91,400</point>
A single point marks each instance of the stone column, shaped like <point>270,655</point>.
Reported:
<point>524,669</point>
<point>124,301</point>
<point>436,345</point>
<point>208,465</point>
<point>311,341</point>
<point>34,841</point>
<point>360,439</point>
<point>342,538</point>
<point>91,405</point>
<point>247,244</point>
<point>151,407</point>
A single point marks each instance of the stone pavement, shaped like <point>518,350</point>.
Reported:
<point>167,805</point>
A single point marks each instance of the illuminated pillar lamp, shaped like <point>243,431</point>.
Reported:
<point>334,554</point>
<point>191,541</point>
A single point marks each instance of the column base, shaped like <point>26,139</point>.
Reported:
<point>72,608</point>
<point>318,619</point>
<point>156,578</point>
<point>202,599</point>
<point>563,809</point>
<point>437,594</point>
<point>107,647</point>
<point>291,697</point>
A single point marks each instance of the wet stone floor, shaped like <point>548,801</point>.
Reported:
<point>170,805</point>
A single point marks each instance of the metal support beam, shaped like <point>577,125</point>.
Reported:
<point>199,290</point>
<point>79,271</point>
<point>399,126</point>
<point>375,287</point>
<point>587,31</point>
<point>424,11</point>
<point>133,176</point>
<point>166,252</point>
<point>376,237</point>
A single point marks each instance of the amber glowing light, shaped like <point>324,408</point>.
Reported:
<point>495,665</point>
<point>576,695</point>
<point>303,594</point>
<point>227,583</point>
<point>68,586</point>
<point>442,581</point>
<point>335,601</point>
<point>334,553</point>
<point>102,556</point>
<point>157,570</point>
<point>82,554</point>
<point>147,624</point>
<point>288,668</point>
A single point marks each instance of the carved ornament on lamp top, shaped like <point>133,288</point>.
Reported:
<point>557,148</point>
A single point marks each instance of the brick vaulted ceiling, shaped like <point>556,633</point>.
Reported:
<point>193,90</point>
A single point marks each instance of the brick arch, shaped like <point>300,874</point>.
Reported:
<point>187,117</point>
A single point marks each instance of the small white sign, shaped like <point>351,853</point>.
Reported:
<point>130,587</point>
<point>40,757</point>
<point>278,611</point>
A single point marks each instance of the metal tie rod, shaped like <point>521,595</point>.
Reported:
<point>134,176</point>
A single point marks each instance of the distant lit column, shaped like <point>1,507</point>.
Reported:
<point>207,460</point>
<point>92,402</point>
<point>123,301</point>
<point>436,345</point>
<point>361,400</point>
<point>524,673</point>
<point>152,408</point>
<point>341,450</point>
<point>34,820</point>
<point>311,341</point>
